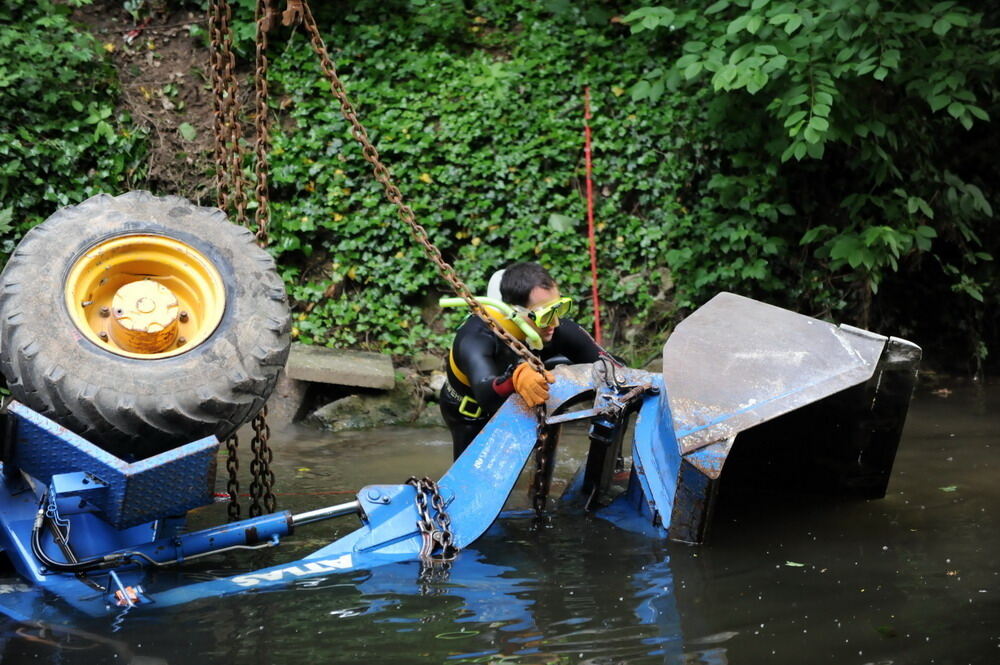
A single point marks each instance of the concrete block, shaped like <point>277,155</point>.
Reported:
<point>427,362</point>
<point>340,367</point>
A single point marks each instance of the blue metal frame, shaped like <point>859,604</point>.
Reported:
<point>121,510</point>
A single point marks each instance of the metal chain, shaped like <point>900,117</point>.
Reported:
<point>262,477</point>
<point>435,528</point>
<point>405,212</point>
<point>392,193</point>
<point>224,89</point>
<point>231,187</point>
<point>264,15</point>
<point>228,130</point>
<point>544,457</point>
<point>216,15</point>
<point>233,469</point>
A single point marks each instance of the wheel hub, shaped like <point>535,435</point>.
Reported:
<point>145,317</point>
<point>145,296</point>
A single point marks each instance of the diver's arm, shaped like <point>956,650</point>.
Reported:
<point>572,341</point>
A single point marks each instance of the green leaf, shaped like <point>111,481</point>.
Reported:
<point>938,102</point>
<point>737,24</point>
<point>640,90</point>
<point>717,7</point>
<point>948,488</point>
<point>793,23</point>
<point>560,223</point>
<point>942,26</point>
<point>692,70</point>
<point>794,564</point>
<point>187,131</point>
<point>794,118</point>
<point>978,112</point>
<point>819,124</point>
<point>957,19</point>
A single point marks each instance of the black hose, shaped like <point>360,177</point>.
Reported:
<point>80,566</point>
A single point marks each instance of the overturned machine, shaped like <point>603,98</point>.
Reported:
<point>749,393</point>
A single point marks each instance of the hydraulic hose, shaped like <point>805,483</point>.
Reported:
<point>79,566</point>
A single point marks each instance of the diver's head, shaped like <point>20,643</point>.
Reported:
<point>530,289</point>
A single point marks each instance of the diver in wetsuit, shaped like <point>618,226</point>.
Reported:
<point>483,371</point>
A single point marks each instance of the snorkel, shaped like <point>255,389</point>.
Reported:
<point>505,315</point>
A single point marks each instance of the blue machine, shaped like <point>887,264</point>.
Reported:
<point>772,396</point>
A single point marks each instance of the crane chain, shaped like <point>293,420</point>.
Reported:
<point>299,10</point>
<point>545,448</point>
<point>261,487</point>
<point>231,189</point>
<point>262,215</point>
<point>438,547</point>
<point>229,180</point>
<point>233,471</point>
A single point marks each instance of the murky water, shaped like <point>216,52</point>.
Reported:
<point>912,578</point>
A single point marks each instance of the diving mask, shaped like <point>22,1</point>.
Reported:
<point>549,314</point>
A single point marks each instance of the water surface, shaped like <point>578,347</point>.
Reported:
<point>911,578</point>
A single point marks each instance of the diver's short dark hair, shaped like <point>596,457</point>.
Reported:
<point>519,279</point>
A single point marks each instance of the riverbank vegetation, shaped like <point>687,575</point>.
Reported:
<point>831,157</point>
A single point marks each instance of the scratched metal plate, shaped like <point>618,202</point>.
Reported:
<point>737,362</point>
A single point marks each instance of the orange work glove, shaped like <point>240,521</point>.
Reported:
<point>530,385</point>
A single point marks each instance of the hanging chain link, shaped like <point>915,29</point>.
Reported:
<point>544,449</point>
<point>265,16</point>
<point>438,548</point>
<point>231,187</point>
<point>233,470</point>
<point>228,130</point>
<point>262,483</point>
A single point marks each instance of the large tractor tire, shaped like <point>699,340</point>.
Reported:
<point>142,322</point>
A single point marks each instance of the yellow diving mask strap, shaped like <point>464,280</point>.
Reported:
<point>531,335</point>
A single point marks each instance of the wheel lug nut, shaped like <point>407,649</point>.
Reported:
<point>103,335</point>
<point>105,311</point>
<point>181,341</point>
<point>183,316</point>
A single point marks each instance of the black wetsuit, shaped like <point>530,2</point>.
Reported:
<point>489,364</point>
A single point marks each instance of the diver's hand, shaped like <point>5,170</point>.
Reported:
<point>532,386</point>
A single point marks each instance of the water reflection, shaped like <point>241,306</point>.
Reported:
<point>911,578</point>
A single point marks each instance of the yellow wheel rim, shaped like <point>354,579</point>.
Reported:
<point>145,296</point>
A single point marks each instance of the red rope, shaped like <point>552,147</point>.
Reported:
<point>590,215</point>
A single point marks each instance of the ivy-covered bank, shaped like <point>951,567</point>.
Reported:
<point>863,197</point>
<point>61,137</point>
<point>480,116</point>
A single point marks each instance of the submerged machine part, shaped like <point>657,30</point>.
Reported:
<point>781,400</point>
<point>750,394</point>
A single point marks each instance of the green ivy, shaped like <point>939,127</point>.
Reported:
<point>851,140</point>
<point>61,137</point>
<point>832,156</point>
<point>481,121</point>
